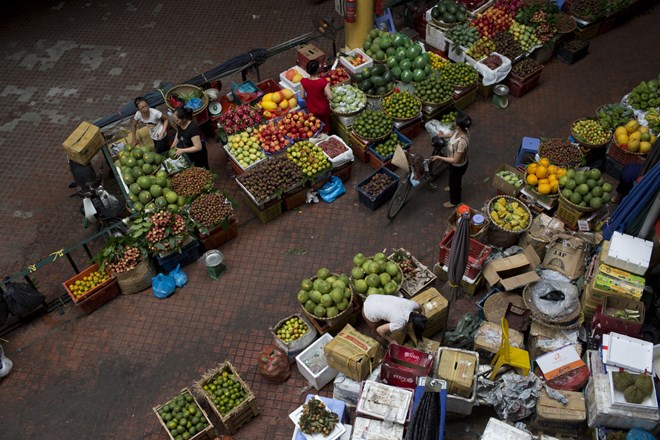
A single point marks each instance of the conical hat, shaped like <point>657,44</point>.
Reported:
<point>399,159</point>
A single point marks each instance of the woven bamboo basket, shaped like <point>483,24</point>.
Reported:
<point>587,144</point>
<point>339,315</point>
<point>500,237</point>
<point>186,88</point>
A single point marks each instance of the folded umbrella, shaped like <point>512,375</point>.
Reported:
<point>458,258</point>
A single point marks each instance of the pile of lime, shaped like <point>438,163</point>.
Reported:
<point>372,124</point>
<point>402,105</point>
<point>459,74</point>
<point>183,417</point>
<point>225,391</point>
<point>386,149</point>
<point>433,90</point>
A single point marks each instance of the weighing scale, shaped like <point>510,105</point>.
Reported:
<point>213,260</point>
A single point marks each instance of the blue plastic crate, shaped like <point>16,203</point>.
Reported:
<point>405,144</point>
<point>527,150</point>
<point>189,253</point>
<point>374,203</point>
<point>246,87</point>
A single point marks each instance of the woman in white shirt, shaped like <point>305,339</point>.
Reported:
<point>388,314</point>
<point>457,158</point>
<point>155,120</point>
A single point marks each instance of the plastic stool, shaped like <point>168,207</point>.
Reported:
<point>385,22</point>
<point>528,147</point>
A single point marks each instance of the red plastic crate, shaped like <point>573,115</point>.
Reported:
<point>603,324</point>
<point>268,86</point>
<point>91,269</point>
<point>476,257</point>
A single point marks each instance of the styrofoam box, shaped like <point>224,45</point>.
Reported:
<point>369,429</point>
<point>619,401</point>
<point>601,412</point>
<point>323,377</point>
<point>357,69</point>
<point>345,436</point>
<point>656,360</point>
<point>499,430</point>
<point>459,404</point>
<point>385,402</point>
<point>348,390</point>
<point>296,87</point>
<point>629,253</point>
<point>435,37</point>
<point>343,158</point>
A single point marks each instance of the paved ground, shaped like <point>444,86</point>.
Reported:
<point>98,376</point>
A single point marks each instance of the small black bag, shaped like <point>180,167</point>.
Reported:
<point>4,311</point>
<point>22,298</point>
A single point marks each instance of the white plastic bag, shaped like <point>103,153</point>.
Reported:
<point>494,76</point>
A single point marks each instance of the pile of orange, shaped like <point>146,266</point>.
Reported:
<point>543,177</point>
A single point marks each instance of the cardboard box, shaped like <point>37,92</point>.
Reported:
<point>543,339</point>
<point>554,416</point>
<point>541,232</point>
<point>309,52</point>
<point>504,186</point>
<point>84,143</point>
<point>614,286</point>
<point>435,307</point>
<point>513,272</point>
<point>566,256</point>
<point>353,354</point>
<point>458,368</point>
<point>402,366</point>
<point>427,346</point>
<point>621,275</point>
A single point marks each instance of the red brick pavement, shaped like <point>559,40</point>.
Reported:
<point>98,376</point>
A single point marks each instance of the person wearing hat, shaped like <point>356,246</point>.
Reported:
<point>390,316</point>
<point>155,120</point>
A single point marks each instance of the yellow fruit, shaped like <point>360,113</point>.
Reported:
<point>620,130</point>
<point>284,104</point>
<point>552,169</point>
<point>554,187</point>
<point>622,139</point>
<point>644,147</point>
<point>543,182</point>
<point>293,102</point>
<point>637,136</point>
<point>541,171</point>
<point>545,162</point>
<point>267,97</point>
<point>268,105</point>
<point>561,172</point>
<point>544,188</point>
<point>276,97</point>
<point>288,93</point>
<point>633,145</point>
<point>532,180</point>
<point>653,139</point>
<point>296,78</point>
<point>552,178</point>
<point>531,168</point>
<point>632,126</point>
<point>643,129</point>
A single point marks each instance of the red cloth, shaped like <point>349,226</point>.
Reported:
<point>317,103</point>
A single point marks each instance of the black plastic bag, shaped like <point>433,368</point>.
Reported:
<point>22,298</point>
<point>4,311</point>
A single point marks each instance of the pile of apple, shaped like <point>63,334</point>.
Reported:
<point>356,60</point>
<point>275,103</point>
<point>271,138</point>
<point>492,22</point>
<point>239,118</point>
<point>293,75</point>
<point>335,76</point>
<point>299,125</point>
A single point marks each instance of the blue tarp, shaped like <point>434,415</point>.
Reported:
<point>635,203</point>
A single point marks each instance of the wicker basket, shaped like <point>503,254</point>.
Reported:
<point>445,26</point>
<point>436,104</point>
<point>571,28</point>
<point>186,88</point>
<point>586,144</point>
<point>568,144</point>
<point>380,138</point>
<point>388,93</point>
<point>350,113</point>
<point>569,213</point>
<point>625,157</point>
<point>496,304</point>
<point>533,190</point>
<point>500,237</point>
<point>339,315</point>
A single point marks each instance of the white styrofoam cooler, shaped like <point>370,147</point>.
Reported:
<point>369,429</point>
<point>323,377</point>
<point>357,69</point>
<point>499,430</point>
<point>629,253</point>
<point>296,87</point>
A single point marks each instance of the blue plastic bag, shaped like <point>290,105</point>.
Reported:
<point>163,285</point>
<point>639,434</point>
<point>179,276</point>
<point>194,104</point>
<point>331,190</point>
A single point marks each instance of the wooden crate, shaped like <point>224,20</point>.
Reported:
<point>359,147</point>
<point>219,236</point>
<point>239,415</point>
<point>205,433</point>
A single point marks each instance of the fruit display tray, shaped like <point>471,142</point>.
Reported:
<point>375,202</point>
<point>91,269</point>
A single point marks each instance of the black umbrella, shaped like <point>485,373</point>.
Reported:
<point>458,258</point>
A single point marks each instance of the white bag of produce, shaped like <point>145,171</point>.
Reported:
<point>493,76</point>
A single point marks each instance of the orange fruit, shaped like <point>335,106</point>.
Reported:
<point>561,172</point>
<point>531,168</point>
<point>544,161</point>
<point>544,188</point>
<point>544,182</point>
<point>541,171</point>
<point>554,186</point>
<point>552,169</point>
<point>532,180</point>
<point>552,177</point>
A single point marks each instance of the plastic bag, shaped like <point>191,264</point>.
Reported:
<point>494,76</point>
<point>331,190</point>
<point>274,364</point>
<point>434,126</point>
<point>4,311</point>
<point>163,285</point>
<point>639,434</point>
<point>173,166</point>
<point>180,277</point>
<point>193,104</point>
<point>22,298</point>
<point>555,298</point>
